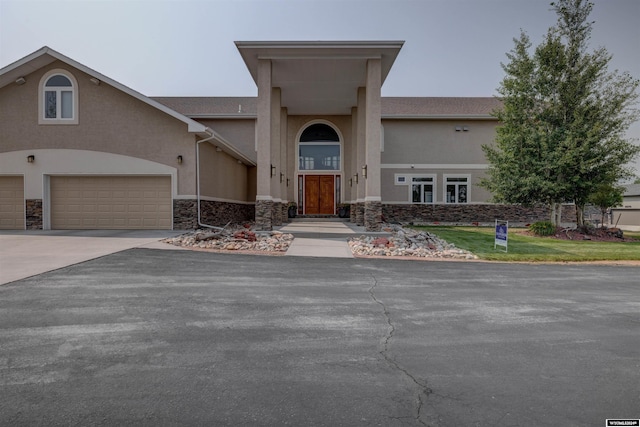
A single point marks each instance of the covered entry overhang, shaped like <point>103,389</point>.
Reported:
<point>319,77</point>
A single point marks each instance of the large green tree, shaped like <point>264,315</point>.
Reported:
<point>564,118</point>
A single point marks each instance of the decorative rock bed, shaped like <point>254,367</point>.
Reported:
<point>234,238</point>
<point>402,243</point>
<point>407,243</point>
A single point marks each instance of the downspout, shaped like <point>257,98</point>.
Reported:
<point>198,179</point>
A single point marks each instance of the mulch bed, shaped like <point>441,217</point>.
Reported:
<point>594,234</point>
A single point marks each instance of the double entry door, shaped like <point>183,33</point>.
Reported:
<point>319,194</point>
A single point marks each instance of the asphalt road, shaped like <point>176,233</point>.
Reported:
<point>151,337</point>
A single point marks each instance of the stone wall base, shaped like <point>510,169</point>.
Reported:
<point>359,214</point>
<point>373,216</point>
<point>33,211</point>
<point>185,213</point>
<point>482,213</point>
<point>276,214</point>
<point>264,212</point>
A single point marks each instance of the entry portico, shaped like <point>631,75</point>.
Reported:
<point>318,128</point>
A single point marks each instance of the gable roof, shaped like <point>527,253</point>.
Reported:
<point>46,56</point>
<point>632,190</point>
<point>392,107</point>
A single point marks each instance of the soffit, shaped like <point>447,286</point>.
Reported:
<point>319,77</point>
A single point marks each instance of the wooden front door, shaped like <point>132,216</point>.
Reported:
<point>318,194</point>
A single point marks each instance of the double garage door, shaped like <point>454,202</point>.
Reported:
<point>94,202</point>
<point>111,202</point>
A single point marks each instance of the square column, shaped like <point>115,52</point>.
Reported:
<point>373,199</point>
<point>264,199</point>
<point>276,131</point>
<point>360,139</point>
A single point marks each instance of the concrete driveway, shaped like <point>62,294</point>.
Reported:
<point>27,253</point>
<point>151,337</point>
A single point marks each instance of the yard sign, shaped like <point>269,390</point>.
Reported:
<point>502,234</point>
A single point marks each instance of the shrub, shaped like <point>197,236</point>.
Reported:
<point>543,228</point>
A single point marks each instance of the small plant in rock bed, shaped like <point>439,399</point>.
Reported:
<point>543,228</point>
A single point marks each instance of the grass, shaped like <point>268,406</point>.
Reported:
<point>480,241</point>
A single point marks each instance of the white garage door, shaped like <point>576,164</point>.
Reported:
<point>111,202</point>
<point>11,203</point>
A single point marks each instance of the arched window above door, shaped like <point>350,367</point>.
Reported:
<point>319,132</point>
<point>319,149</point>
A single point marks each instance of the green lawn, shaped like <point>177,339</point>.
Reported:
<point>480,241</point>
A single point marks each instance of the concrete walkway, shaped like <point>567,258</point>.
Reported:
<point>322,237</point>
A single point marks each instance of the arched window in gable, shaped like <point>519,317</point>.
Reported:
<point>58,98</point>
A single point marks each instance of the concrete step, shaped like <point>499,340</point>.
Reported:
<point>318,218</point>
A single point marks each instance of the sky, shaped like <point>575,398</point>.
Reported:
<point>186,47</point>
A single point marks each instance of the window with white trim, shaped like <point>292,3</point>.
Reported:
<point>456,188</point>
<point>422,189</point>
<point>58,100</point>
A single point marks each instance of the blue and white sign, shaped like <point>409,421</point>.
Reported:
<point>502,234</point>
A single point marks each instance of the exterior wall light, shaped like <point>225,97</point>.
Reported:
<point>273,171</point>
<point>31,158</point>
<point>364,171</point>
<point>458,128</point>
<point>281,177</point>
<point>356,178</point>
<point>20,81</point>
<point>179,160</point>
<point>350,182</point>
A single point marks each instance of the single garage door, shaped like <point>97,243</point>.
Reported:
<point>111,202</point>
<point>11,203</point>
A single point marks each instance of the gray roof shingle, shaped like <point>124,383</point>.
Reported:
<point>391,106</point>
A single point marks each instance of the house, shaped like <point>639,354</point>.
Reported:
<point>627,217</point>
<point>80,150</point>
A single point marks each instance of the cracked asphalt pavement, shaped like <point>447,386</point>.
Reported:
<point>151,337</point>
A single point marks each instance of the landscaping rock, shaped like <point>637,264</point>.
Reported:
<point>234,238</point>
<point>407,243</point>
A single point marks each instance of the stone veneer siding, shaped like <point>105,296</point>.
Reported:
<point>185,213</point>
<point>373,216</point>
<point>264,211</point>
<point>276,214</point>
<point>352,213</point>
<point>33,210</point>
<point>485,213</point>
<point>359,214</point>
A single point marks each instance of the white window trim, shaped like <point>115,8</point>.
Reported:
<point>444,188</point>
<point>397,177</point>
<point>433,185</point>
<point>74,90</point>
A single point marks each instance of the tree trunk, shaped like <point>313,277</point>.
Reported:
<point>580,215</point>
<point>556,214</point>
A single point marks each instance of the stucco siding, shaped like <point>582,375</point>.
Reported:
<point>436,141</point>
<point>221,176</point>
<point>239,132</point>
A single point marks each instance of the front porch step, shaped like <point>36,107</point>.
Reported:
<point>318,218</point>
